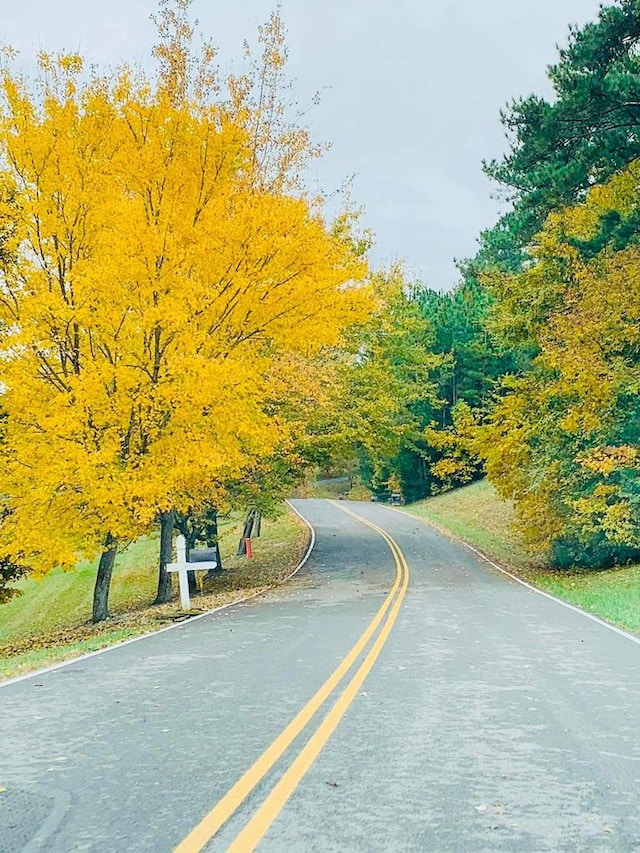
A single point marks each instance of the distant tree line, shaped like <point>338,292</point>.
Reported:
<point>538,386</point>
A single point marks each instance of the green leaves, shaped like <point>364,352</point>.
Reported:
<point>562,147</point>
<point>561,268</point>
<point>563,440</point>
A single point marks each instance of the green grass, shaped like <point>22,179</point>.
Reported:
<point>328,489</point>
<point>61,600</point>
<point>43,657</point>
<point>613,594</point>
<point>49,621</point>
<point>476,514</point>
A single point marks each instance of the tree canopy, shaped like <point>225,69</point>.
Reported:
<point>584,134</point>
<point>162,274</point>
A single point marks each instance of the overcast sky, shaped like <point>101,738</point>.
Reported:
<point>411,100</point>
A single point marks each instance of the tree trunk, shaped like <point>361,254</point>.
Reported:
<point>213,542</point>
<point>257,524</point>
<point>103,579</point>
<point>166,543</point>
<point>193,583</point>
<point>192,538</point>
<point>246,533</point>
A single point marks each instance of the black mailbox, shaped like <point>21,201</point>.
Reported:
<point>201,555</point>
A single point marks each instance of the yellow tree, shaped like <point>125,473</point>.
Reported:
<point>564,441</point>
<point>152,287</point>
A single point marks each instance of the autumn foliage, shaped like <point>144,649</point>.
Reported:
<point>564,440</point>
<point>182,330</point>
<point>161,272</point>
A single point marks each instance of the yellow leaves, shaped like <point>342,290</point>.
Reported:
<point>563,441</point>
<point>7,52</point>
<point>394,484</point>
<point>448,468</point>
<point>606,460</point>
<point>169,316</point>
<point>45,61</point>
<point>459,444</point>
<point>71,63</point>
<point>619,195</point>
<point>604,512</point>
<point>591,343</point>
<point>59,74</point>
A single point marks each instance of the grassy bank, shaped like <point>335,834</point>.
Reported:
<point>334,488</point>
<point>477,515</point>
<point>49,621</point>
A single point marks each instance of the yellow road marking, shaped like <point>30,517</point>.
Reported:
<point>222,811</point>
<point>254,831</point>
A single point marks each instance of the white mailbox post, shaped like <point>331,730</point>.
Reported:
<point>183,566</point>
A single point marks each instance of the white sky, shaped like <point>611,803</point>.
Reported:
<point>411,100</point>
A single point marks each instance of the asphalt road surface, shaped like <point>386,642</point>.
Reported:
<point>469,714</point>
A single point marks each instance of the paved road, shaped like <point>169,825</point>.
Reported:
<point>493,719</point>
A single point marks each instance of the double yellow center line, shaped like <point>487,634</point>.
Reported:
<point>255,829</point>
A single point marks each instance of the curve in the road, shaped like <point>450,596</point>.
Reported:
<point>255,829</point>
<point>579,610</point>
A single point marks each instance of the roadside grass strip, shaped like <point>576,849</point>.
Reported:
<point>46,627</point>
<point>250,836</point>
<point>476,515</point>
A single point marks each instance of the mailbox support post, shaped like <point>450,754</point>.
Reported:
<point>182,567</point>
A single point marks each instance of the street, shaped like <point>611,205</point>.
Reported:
<point>486,717</point>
